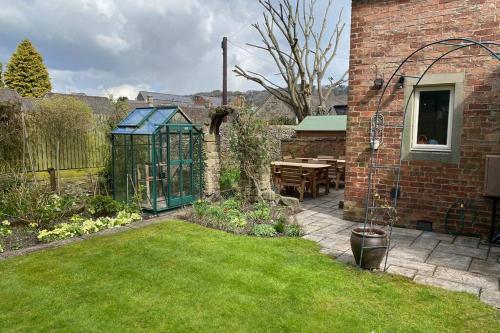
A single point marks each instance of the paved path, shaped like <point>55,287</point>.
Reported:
<point>456,263</point>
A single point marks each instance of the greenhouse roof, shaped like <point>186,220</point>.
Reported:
<point>147,120</point>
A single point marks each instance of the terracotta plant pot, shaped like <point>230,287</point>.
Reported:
<point>375,246</point>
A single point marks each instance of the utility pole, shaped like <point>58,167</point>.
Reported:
<point>224,70</point>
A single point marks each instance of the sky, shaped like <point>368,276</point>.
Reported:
<point>118,47</point>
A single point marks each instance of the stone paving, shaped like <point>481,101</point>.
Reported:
<point>457,263</point>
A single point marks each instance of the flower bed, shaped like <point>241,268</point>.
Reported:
<point>233,215</point>
<point>30,213</point>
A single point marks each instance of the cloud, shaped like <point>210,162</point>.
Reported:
<point>94,46</point>
<point>113,43</point>
<point>127,90</point>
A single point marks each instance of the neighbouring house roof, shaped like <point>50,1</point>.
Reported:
<point>100,105</point>
<point>323,123</point>
<point>169,98</point>
<point>197,114</point>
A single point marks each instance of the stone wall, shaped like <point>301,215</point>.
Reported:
<point>276,134</point>
<point>382,34</point>
<point>312,147</point>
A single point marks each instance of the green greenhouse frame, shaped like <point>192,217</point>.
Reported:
<point>157,159</point>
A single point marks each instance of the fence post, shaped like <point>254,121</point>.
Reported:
<point>52,176</point>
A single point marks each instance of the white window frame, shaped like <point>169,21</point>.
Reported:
<point>415,146</point>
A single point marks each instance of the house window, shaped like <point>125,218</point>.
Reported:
<point>433,118</point>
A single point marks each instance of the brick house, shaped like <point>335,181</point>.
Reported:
<point>453,118</point>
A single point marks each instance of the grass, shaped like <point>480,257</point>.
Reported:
<point>182,277</point>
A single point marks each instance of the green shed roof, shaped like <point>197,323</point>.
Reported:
<point>323,123</point>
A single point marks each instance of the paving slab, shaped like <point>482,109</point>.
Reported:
<point>304,214</point>
<point>450,285</point>
<point>442,237</point>
<point>337,242</point>
<point>449,260</point>
<point>311,227</point>
<point>467,241</point>
<point>331,252</point>
<point>403,271</point>
<point>347,258</point>
<point>422,268</point>
<point>462,250</point>
<point>405,231</point>
<point>426,241</point>
<point>471,279</point>
<point>491,297</point>
<point>485,267</point>
<point>314,237</point>
<point>409,253</point>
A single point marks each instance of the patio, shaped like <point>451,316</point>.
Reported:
<point>456,263</point>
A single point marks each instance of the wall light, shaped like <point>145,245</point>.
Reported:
<point>378,83</point>
<point>401,82</point>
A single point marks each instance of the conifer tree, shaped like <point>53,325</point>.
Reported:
<point>1,75</point>
<point>26,72</point>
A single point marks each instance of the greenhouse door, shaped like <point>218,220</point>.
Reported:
<point>180,165</point>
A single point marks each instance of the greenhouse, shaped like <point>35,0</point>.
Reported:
<point>157,158</point>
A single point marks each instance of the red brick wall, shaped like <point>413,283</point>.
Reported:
<point>383,33</point>
<point>312,147</point>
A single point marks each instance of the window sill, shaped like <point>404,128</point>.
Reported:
<point>443,156</point>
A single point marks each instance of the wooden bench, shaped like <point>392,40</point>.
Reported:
<point>293,176</point>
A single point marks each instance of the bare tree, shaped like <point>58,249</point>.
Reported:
<point>301,50</point>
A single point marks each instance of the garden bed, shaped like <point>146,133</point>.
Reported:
<point>235,215</point>
<point>31,214</point>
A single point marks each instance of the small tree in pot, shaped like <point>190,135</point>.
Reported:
<point>369,244</point>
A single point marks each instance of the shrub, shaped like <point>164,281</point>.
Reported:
<point>103,205</point>
<point>261,213</point>
<point>263,230</point>
<point>279,225</point>
<point>293,230</point>
<point>232,203</point>
<point>200,208</point>
<point>282,120</point>
<point>229,178</point>
<point>33,203</point>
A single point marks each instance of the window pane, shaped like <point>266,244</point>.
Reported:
<point>433,114</point>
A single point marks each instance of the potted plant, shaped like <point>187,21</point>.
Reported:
<point>375,239</point>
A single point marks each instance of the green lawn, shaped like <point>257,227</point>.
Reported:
<point>182,277</point>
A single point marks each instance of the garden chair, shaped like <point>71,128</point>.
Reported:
<point>322,176</point>
<point>292,176</point>
<point>276,176</point>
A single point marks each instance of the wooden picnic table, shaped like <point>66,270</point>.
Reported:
<point>339,166</point>
<point>312,168</point>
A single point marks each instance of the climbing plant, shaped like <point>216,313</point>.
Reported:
<point>250,146</point>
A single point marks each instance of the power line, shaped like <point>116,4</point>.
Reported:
<point>251,53</point>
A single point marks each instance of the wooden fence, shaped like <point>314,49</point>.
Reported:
<point>86,151</point>
<point>89,150</point>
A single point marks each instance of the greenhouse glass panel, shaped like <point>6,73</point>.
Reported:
<point>157,159</point>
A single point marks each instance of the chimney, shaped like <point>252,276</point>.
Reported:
<point>149,100</point>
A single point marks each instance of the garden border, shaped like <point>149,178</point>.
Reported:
<point>177,213</point>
